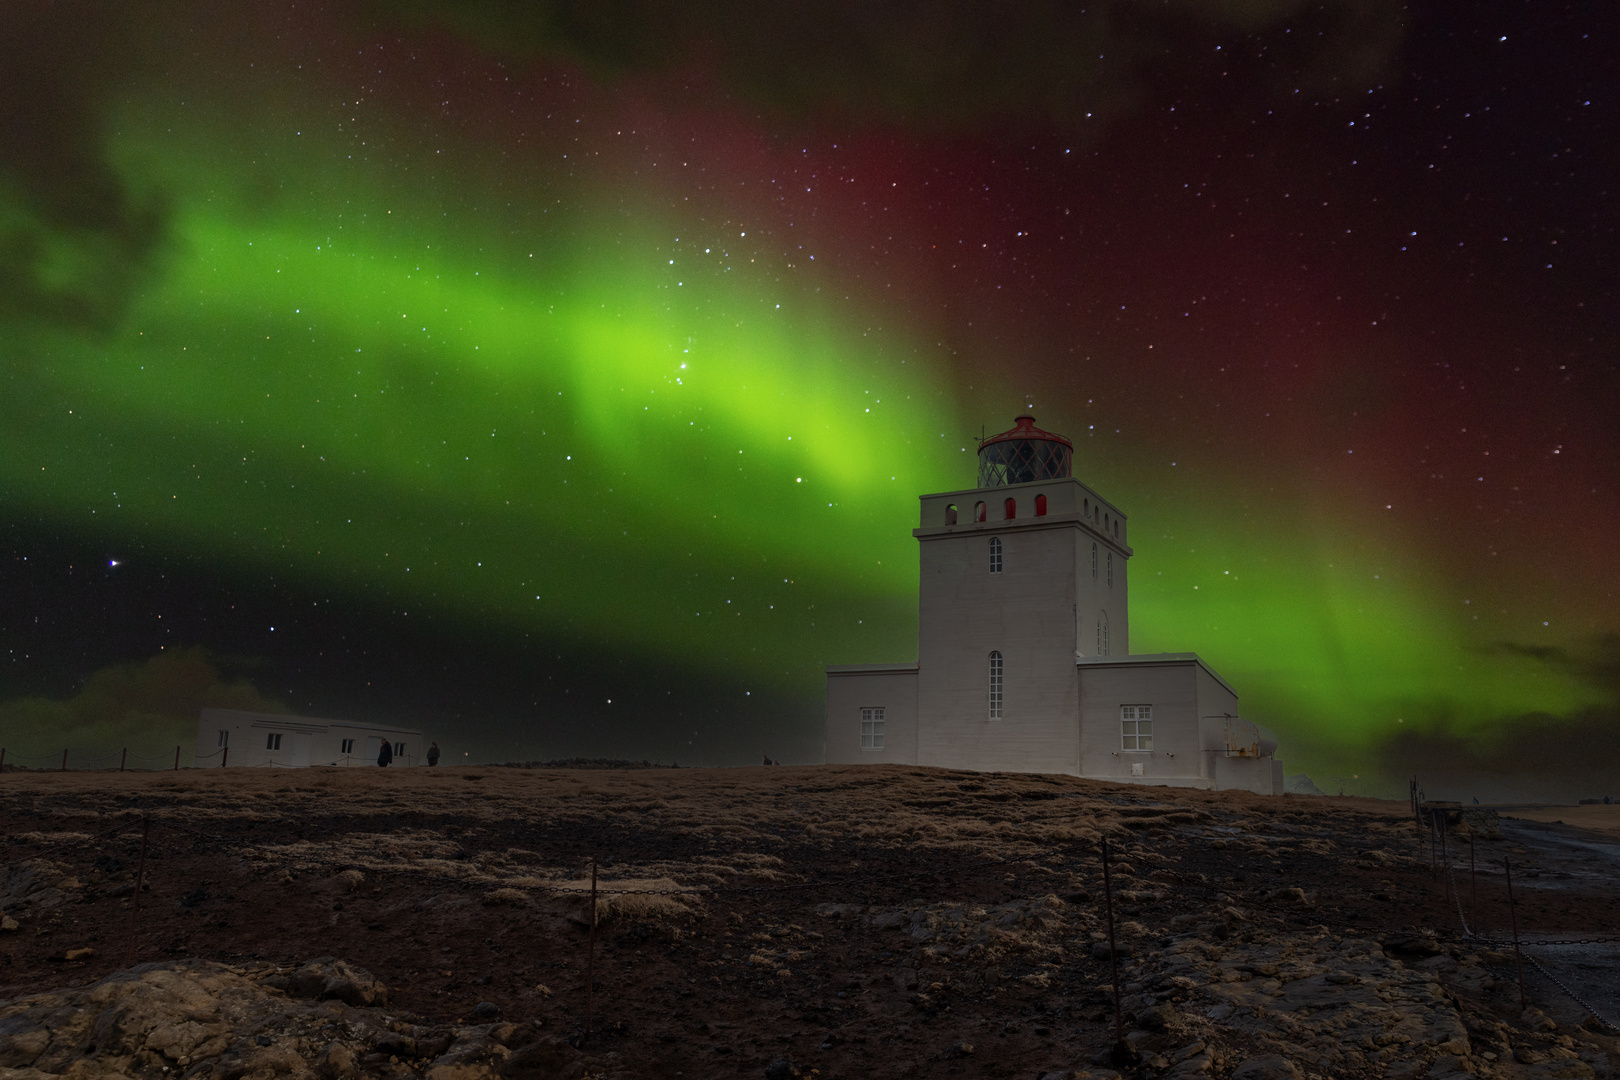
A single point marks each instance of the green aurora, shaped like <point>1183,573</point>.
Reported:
<point>606,415</point>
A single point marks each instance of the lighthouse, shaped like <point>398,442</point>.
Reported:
<point>1024,659</point>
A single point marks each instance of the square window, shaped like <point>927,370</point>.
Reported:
<point>348,746</point>
<point>273,742</point>
<point>872,728</point>
<point>1136,727</point>
<point>224,738</point>
<point>399,749</point>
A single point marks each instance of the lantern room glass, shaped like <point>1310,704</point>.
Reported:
<point>1020,461</point>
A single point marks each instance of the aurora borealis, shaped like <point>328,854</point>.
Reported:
<point>567,390</point>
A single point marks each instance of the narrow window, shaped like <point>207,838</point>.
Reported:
<point>1136,727</point>
<point>1040,506</point>
<point>1105,523</point>
<point>273,742</point>
<point>1087,506</point>
<point>995,686</point>
<point>1094,561</point>
<point>978,511</point>
<point>224,738</point>
<point>950,514</point>
<point>348,747</point>
<point>872,729</point>
<point>1110,569</point>
<point>399,749</point>
<point>1011,508</point>
<point>1102,634</point>
<point>1116,528</point>
<point>995,554</point>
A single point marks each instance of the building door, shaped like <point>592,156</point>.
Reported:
<point>300,749</point>
<point>373,748</point>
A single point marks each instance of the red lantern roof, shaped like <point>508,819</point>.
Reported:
<point>1024,428</point>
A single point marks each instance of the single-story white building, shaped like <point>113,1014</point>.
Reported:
<point>235,738</point>
<point>1024,661</point>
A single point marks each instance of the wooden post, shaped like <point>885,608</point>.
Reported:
<point>123,759</point>
<point>224,757</point>
<point>590,958</point>
<point>1120,1050</point>
<point>1513,921</point>
<point>64,761</point>
<point>177,759</point>
<point>135,903</point>
<point>2,757</point>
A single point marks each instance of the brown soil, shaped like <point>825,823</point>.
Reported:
<point>860,921</point>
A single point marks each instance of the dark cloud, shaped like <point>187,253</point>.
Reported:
<point>956,64</point>
<point>73,239</point>
<point>1531,757</point>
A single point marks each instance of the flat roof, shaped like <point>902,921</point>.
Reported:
<point>868,669</point>
<point>291,720</point>
<point>1155,658</point>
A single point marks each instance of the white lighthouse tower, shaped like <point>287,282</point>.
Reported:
<point>1024,657</point>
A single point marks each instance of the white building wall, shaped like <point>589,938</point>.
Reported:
<point>891,687</point>
<point>1171,687</point>
<point>305,741</point>
<point>1027,613</point>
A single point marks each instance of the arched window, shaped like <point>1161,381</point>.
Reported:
<point>995,554</point>
<point>1105,523</point>
<point>978,511</point>
<point>995,686</point>
<point>1102,634</point>
<point>1011,508</point>
<point>950,514</point>
<point>1093,559</point>
<point>1088,508</point>
<point>1110,569</point>
<point>1116,528</point>
<point>1040,506</point>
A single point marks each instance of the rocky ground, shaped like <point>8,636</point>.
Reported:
<point>776,922</point>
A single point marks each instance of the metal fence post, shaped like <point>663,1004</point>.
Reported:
<point>1513,921</point>
<point>123,759</point>
<point>177,759</point>
<point>64,761</point>
<point>1120,1049</point>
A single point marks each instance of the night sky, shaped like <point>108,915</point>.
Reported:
<point>561,377</point>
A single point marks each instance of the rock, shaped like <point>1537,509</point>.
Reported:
<point>1157,1018</point>
<point>486,1010</point>
<point>8,923</point>
<point>336,1062</point>
<point>395,1044</point>
<point>1266,1067</point>
<point>329,979</point>
<point>781,1069</point>
<point>890,920</point>
<point>1099,950</point>
<point>434,1045</point>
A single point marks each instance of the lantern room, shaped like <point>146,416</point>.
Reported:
<point>1024,454</point>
